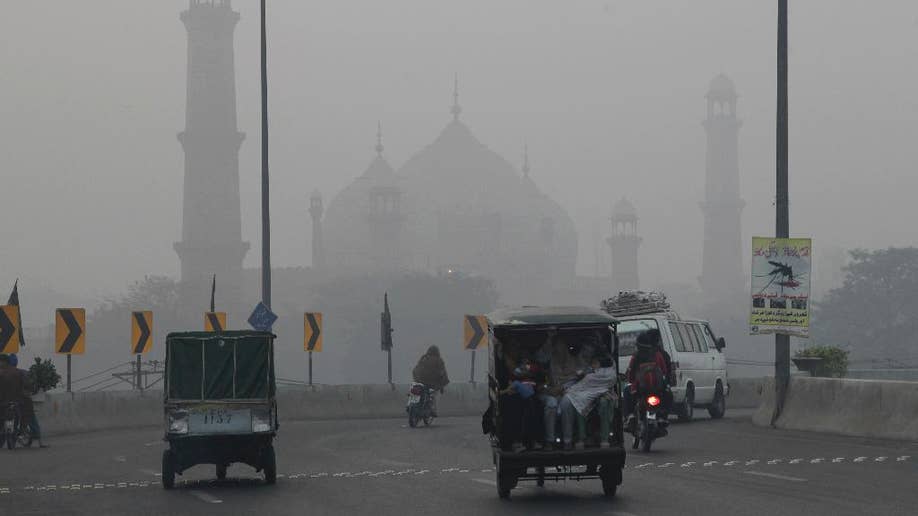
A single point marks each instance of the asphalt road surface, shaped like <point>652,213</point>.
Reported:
<point>381,467</point>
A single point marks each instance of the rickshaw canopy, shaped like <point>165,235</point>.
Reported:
<point>228,365</point>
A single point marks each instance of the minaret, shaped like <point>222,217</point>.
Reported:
<point>722,271</point>
<point>211,220</point>
<point>456,109</point>
<point>624,243</point>
<point>385,213</point>
<point>318,248</point>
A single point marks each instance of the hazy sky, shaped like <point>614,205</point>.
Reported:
<point>609,96</point>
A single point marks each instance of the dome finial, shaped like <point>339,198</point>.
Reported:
<point>456,109</point>
<point>379,145</point>
<point>526,161</point>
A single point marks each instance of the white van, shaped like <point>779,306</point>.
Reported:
<point>698,359</point>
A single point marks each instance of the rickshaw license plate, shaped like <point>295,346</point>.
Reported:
<point>220,420</point>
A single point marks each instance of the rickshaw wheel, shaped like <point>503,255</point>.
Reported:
<point>168,470</point>
<point>221,471</point>
<point>269,465</point>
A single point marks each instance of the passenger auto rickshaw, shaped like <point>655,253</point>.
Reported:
<point>219,402</point>
<point>545,334</point>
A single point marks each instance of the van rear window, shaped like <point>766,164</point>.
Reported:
<point>628,332</point>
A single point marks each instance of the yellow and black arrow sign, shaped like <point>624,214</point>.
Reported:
<point>70,331</point>
<point>214,321</point>
<point>9,329</point>
<point>312,331</point>
<point>141,332</point>
<point>475,332</point>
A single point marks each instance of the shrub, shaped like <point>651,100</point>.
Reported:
<point>834,360</point>
<point>43,375</point>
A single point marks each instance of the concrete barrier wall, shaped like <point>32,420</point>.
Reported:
<point>863,408</point>
<point>82,412</point>
<point>745,392</point>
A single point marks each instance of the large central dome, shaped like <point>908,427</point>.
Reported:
<point>458,206</point>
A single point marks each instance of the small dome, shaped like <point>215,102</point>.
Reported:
<point>722,87</point>
<point>623,209</point>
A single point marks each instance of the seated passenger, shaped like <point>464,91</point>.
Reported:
<point>519,407</point>
<point>566,368</point>
<point>581,397</point>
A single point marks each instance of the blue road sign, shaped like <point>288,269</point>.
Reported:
<point>262,318</point>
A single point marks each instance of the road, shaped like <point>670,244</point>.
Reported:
<point>381,467</point>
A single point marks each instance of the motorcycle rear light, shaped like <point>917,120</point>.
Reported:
<point>653,401</point>
<point>417,390</point>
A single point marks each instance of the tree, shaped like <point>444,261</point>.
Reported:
<point>872,315</point>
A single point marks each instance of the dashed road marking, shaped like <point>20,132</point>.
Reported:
<point>836,460</point>
<point>486,481</point>
<point>902,458</point>
<point>860,459</point>
<point>773,475</point>
<point>204,497</point>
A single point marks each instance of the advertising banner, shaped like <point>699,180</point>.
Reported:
<point>781,286</point>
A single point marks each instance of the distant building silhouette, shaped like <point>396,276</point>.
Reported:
<point>722,277</point>
<point>624,244</point>
<point>456,206</point>
<point>318,246</point>
<point>211,221</point>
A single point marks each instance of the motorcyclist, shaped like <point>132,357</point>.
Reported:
<point>431,371</point>
<point>11,384</point>
<point>27,407</point>
<point>648,371</point>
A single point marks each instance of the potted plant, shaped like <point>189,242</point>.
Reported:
<point>824,361</point>
<point>43,376</point>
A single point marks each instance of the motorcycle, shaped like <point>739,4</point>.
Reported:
<point>420,405</point>
<point>13,432</point>
<point>651,422</point>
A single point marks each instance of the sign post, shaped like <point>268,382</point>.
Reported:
<point>70,335</point>
<point>385,335</point>
<point>312,336</point>
<point>475,332</point>
<point>141,340</point>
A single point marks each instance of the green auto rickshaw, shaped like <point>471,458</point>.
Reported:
<point>219,402</point>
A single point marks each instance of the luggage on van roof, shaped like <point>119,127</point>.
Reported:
<point>637,302</point>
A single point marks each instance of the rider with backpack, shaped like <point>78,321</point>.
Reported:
<point>649,369</point>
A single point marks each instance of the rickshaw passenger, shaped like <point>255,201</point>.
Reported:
<point>583,395</point>
<point>565,368</point>
<point>519,406</point>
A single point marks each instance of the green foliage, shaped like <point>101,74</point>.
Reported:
<point>43,375</point>
<point>872,313</point>
<point>834,360</point>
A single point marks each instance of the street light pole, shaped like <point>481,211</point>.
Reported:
<point>782,212</point>
<point>265,212</point>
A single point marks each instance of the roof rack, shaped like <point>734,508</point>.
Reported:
<point>636,302</point>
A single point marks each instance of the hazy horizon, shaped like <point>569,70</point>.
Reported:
<point>609,97</point>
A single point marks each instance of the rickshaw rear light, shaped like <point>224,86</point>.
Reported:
<point>653,401</point>
<point>261,420</point>
<point>178,422</point>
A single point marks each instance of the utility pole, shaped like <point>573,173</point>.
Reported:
<point>265,212</point>
<point>782,212</point>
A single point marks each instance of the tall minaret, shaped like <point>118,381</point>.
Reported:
<point>318,248</point>
<point>624,244</point>
<point>385,211</point>
<point>722,271</point>
<point>211,221</point>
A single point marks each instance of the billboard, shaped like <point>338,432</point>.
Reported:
<point>781,286</point>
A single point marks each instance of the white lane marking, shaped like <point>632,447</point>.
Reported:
<point>773,475</point>
<point>688,464</point>
<point>398,463</point>
<point>709,464</point>
<point>903,458</point>
<point>836,460</point>
<point>795,461</point>
<point>817,460</point>
<point>860,459</point>
<point>152,443</point>
<point>668,464</point>
<point>484,481</point>
<point>880,459</point>
<point>731,463</point>
<point>645,465</point>
<point>149,472</point>
<point>204,497</point>
<point>751,462</point>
